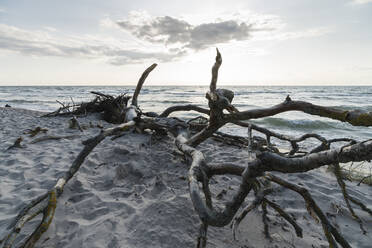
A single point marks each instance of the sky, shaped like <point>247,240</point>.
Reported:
<point>111,42</point>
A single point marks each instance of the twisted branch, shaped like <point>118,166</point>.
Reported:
<point>200,172</point>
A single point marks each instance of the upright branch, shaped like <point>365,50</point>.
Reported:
<point>46,203</point>
<point>140,83</point>
<point>218,100</point>
<point>216,66</point>
<point>133,111</point>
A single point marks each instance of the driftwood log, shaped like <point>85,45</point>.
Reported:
<point>188,134</point>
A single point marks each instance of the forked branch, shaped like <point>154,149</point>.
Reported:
<point>221,111</point>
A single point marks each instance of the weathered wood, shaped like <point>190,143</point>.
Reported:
<point>102,94</point>
<point>53,137</point>
<point>74,123</point>
<point>189,107</point>
<point>35,131</point>
<point>216,66</point>
<point>16,144</point>
<point>260,196</point>
<point>286,216</point>
<point>354,117</point>
<point>341,183</point>
<point>273,162</point>
<point>330,231</point>
<point>140,83</point>
<point>39,205</point>
<point>252,175</point>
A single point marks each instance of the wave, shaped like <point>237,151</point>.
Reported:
<point>297,124</point>
<point>353,107</point>
<point>177,102</point>
<point>260,92</point>
<point>245,106</point>
<point>25,101</point>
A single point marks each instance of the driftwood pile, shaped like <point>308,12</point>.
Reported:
<point>112,108</point>
<point>189,134</point>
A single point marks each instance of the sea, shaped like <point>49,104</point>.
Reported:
<point>158,98</point>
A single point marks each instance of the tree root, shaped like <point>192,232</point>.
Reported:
<point>220,112</point>
<point>265,220</point>
<point>341,183</point>
<point>330,231</point>
<point>262,200</point>
<point>286,216</point>
<point>46,203</point>
<point>257,201</point>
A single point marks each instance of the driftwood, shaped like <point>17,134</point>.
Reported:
<point>255,175</point>
<point>52,137</point>
<point>35,131</point>
<point>111,108</point>
<point>17,144</point>
<point>74,123</point>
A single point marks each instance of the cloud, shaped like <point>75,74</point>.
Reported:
<point>361,1</point>
<point>107,23</point>
<point>281,36</point>
<point>50,29</point>
<point>171,31</point>
<point>362,68</point>
<point>47,43</point>
<point>155,39</point>
<point>122,57</point>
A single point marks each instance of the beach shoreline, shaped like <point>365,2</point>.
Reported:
<point>133,192</point>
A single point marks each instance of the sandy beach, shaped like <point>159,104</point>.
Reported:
<point>133,191</point>
<point>178,124</point>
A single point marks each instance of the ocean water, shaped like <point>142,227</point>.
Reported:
<point>158,98</point>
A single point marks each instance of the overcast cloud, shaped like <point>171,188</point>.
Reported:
<point>167,38</point>
<point>361,1</point>
<point>43,43</point>
<point>273,42</point>
<point>173,31</point>
<point>176,38</point>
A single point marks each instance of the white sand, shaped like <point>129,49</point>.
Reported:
<point>132,192</point>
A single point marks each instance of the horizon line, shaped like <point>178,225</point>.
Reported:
<point>177,85</point>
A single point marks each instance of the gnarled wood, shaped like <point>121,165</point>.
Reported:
<point>189,107</point>
<point>186,140</point>
<point>354,117</point>
<point>140,84</point>
<point>216,66</point>
<point>46,204</point>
